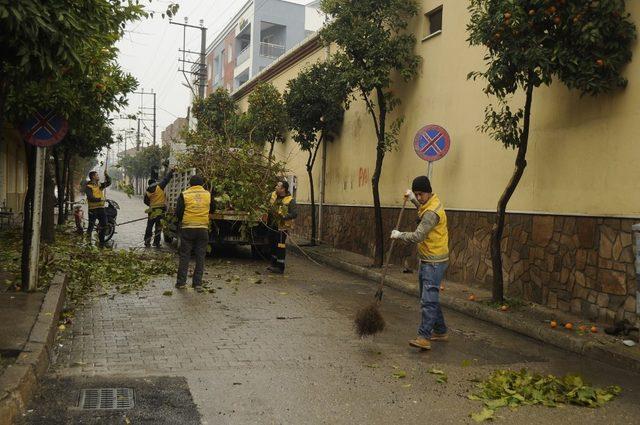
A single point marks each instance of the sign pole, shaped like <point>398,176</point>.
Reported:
<point>429,169</point>
<point>36,219</point>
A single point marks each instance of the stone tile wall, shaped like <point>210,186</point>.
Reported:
<point>584,265</point>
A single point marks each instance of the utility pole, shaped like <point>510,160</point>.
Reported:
<point>202,66</point>
<point>142,110</point>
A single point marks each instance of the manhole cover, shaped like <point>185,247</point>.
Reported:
<point>106,398</point>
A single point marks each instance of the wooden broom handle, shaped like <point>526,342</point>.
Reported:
<point>393,242</point>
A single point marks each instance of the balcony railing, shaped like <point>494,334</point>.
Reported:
<point>243,56</point>
<point>269,50</point>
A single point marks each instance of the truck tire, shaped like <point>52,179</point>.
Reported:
<point>167,238</point>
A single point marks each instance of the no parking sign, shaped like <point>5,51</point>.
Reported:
<point>431,143</point>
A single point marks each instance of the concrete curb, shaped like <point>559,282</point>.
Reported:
<point>612,355</point>
<point>19,381</point>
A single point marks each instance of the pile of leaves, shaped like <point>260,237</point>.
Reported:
<point>507,388</point>
<point>97,272</point>
<point>90,271</point>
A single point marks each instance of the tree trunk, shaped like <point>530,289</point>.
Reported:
<point>375,180</point>
<point>48,227</point>
<point>314,226</point>
<point>30,154</point>
<point>498,228</point>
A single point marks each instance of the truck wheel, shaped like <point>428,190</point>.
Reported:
<point>167,238</point>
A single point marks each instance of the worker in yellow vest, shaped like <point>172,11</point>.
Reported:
<point>283,212</point>
<point>94,190</point>
<point>156,200</point>
<point>432,238</point>
<point>193,210</point>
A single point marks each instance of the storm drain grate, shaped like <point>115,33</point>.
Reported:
<point>106,398</point>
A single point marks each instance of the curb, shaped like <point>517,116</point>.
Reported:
<point>612,355</point>
<point>19,381</point>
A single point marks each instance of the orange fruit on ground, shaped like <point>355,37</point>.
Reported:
<point>504,308</point>
<point>568,326</point>
<point>594,329</point>
<point>600,62</point>
<point>472,297</point>
<point>582,328</point>
<point>553,324</point>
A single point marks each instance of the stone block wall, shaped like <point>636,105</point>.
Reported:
<point>584,265</point>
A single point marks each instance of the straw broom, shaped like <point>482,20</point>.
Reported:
<point>369,320</point>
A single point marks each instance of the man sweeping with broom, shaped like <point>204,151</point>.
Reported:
<point>432,238</point>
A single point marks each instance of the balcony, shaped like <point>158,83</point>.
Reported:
<point>243,56</point>
<point>269,50</point>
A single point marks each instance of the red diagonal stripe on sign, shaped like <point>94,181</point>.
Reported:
<point>432,142</point>
<point>43,122</point>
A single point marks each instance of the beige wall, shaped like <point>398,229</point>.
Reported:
<point>13,171</point>
<point>581,156</point>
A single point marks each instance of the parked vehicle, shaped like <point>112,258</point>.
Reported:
<point>228,227</point>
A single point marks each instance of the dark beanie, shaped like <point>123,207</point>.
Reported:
<point>421,184</point>
<point>151,181</point>
<point>196,181</point>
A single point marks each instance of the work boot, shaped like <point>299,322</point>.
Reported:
<point>180,285</point>
<point>198,288</point>
<point>420,342</point>
<point>147,245</point>
<point>439,337</point>
<point>275,270</point>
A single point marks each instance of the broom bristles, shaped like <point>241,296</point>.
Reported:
<point>369,320</point>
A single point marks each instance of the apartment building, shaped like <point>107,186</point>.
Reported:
<point>261,32</point>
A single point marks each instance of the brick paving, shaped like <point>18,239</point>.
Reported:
<point>265,349</point>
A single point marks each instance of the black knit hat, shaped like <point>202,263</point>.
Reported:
<point>196,181</point>
<point>421,184</point>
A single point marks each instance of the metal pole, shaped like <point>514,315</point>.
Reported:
<point>203,67</point>
<point>138,137</point>
<point>154,117</point>
<point>34,254</point>
<point>323,174</point>
<point>429,170</point>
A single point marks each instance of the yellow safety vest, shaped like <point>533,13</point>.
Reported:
<point>281,208</point>
<point>157,198</point>
<point>197,201</point>
<point>435,247</point>
<point>98,194</point>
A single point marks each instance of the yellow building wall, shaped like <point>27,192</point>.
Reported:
<point>13,171</point>
<point>581,155</point>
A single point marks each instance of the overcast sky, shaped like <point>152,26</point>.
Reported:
<point>149,51</point>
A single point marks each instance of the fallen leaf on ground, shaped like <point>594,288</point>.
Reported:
<point>436,371</point>
<point>400,374</point>
<point>484,415</point>
<point>167,293</point>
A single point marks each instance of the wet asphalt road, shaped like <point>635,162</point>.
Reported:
<point>282,350</point>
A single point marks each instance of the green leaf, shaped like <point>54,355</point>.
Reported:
<point>400,374</point>
<point>484,415</point>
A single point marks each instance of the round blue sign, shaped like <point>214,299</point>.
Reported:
<point>45,129</point>
<point>432,142</point>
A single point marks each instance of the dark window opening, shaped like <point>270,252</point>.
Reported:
<point>434,22</point>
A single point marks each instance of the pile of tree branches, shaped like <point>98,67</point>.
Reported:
<point>240,175</point>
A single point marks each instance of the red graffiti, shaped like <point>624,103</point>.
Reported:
<point>363,177</point>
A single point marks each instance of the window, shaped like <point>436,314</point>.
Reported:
<point>222,55</point>
<point>433,23</point>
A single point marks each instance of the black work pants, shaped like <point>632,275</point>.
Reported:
<point>278,248</point>
<point>101,215</point>
<point>195,240</point>
<point>155,219</point>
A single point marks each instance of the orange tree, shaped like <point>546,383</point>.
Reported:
<point>373,44</point>
<point>315,102</point>
<point>584,44</point>
<point>60,55</point>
